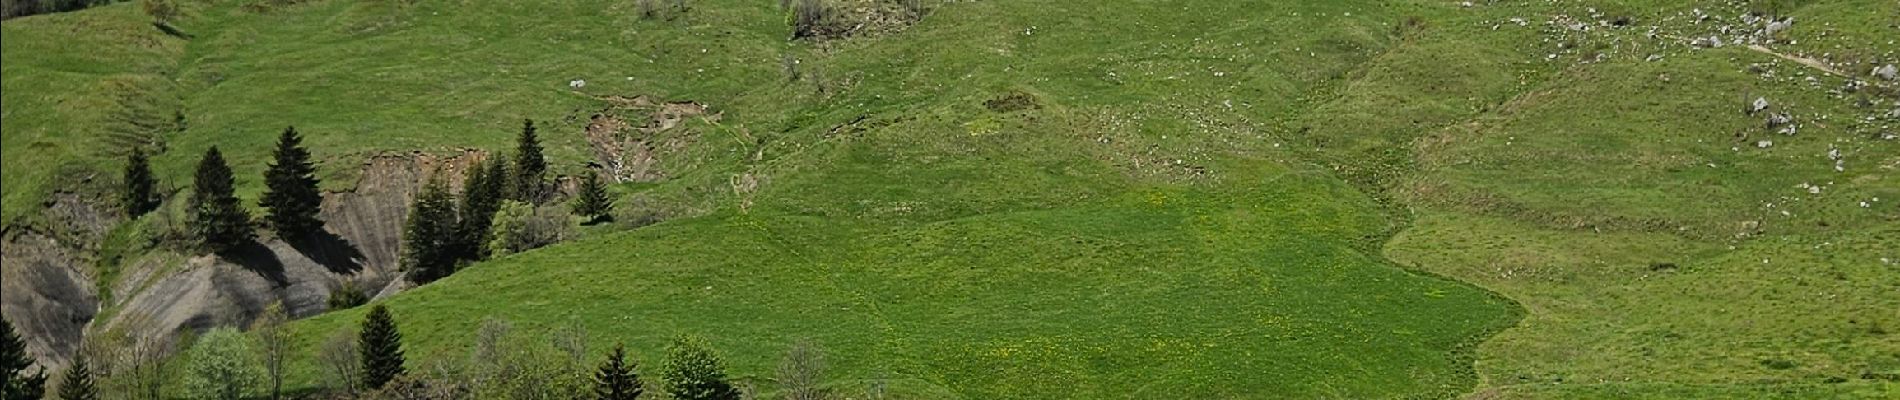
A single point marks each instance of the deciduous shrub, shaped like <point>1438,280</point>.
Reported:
<point>222,366</point>
<point>521,227</point>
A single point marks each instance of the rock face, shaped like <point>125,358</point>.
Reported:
<point>628,153</point>
<point>363,245</point>
<point>211,291</point>
<point>370,217</point>
<point>47,297</point>
<point>51,298</point>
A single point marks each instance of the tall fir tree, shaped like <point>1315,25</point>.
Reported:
<point>481,198</point>
<point>13,362</point>
<point>617,378</point>
<point>77,384</point>
<point>221,223</point>
<point>592,203</point>
<point>429,238</point>
<point>530,167</point>
<point>381,346</point>
<point>291,189</point>
<point>140,191</point>
<point>693,372</point>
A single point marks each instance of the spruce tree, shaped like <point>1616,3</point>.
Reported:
<point>481,198</point>
<point>291,189</point>
<point>14,362</point>
<point>429,238</point>
<point>77,384</point>
<point>617,379</point>
<point>381,346</point>
<point>216,216</point>
<point>593,203</point>
<point>140,193</point>
<point>530,167</point>
<point>693,372</point>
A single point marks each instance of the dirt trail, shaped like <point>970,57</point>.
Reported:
<point>1812,63</point>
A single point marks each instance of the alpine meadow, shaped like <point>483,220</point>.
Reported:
<point>950,199</point>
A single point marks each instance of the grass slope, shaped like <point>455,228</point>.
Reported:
<point>1173,220</point>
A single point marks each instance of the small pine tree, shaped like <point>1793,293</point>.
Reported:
<point>481,198</point>
<point>14,362</point>
<point>291,189</point>
<point>617,379</point>
<point>216,216</point>
<point>693,372</point>
<point>77,384</point>
<point>140,193</point>
<point>429,237</point>
<point>381,346</point>
<point>530,167</point>
<point>593,203</point>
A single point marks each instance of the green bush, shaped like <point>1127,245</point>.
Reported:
<point>520,227</point>
<point>507,365</point>
<point>347,296</point>
<point>222,366</point>
<point>693,372</point>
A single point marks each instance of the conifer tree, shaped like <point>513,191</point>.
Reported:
<point>381,346</point>
<point>481,198</point>
<point>617,379</point>
<point>693,372</point>
<point>77,384</point>
<point>593,203</point>
<point>429,237</point>
<point>530,167</point>
<point>13,362</point>
<point>216,216</point>
<point>140,193</point>
<point>291,189</point>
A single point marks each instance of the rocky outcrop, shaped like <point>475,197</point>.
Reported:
<point>50,292</point>
<point>47,297</point>
<point>370,216</point>
<point>363,246</point>
<point>628,153</point>
<point>46,284</point>
<point>212,291</point>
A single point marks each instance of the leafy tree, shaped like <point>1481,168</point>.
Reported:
<point>429,238</point>
<point>291,189</point>
<point>221,367</point>
<point>342,360</point>
<point>77,384</point>
<point>220,222</point>
<point>135,362</point>
<point>617,379</point>
<point>13,362</point>
<point>274,343</point>
<point>693,372</point>
<point>530,167</point>
<point>481,198</point>
<point>802,372</point>
<point>381,348</point>
<point>161,11</point>
<point>140,193</point>
<point>593,203</point>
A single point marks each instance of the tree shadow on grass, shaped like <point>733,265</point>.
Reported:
<point>171,30</point>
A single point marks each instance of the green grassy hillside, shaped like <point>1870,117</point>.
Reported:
<point>1195,201</point>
